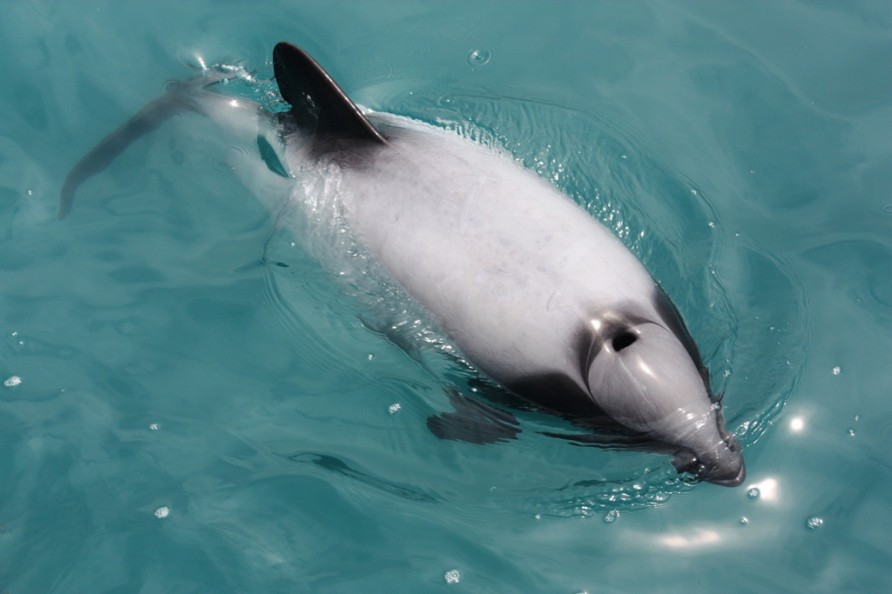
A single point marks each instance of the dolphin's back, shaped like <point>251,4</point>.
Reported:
<point>482,244</point>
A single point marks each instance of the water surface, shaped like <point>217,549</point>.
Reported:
<point>193,402</point>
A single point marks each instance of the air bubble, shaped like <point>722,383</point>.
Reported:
<point>753,493</point>
<point>12,381</point>
<point>154,427</point>
<point>611,516</point>
<point>744,520</point>
<point>394,408</point>
<point>479,57</point>
<point>453,576</point>
<point>814,522</point>
<point>162,512</point>
<point>836,370</point>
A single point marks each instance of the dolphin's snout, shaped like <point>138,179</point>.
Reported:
<point>730,478</point>
<point>722,465</point>
<point>727,468</point>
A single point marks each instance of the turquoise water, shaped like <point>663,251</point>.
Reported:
<point>193,403</point>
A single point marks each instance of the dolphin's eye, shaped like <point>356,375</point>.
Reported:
<point>623,339</point>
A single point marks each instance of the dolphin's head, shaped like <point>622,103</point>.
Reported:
<point>645,374</point>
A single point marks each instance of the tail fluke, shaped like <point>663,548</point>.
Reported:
<point>108,149</point>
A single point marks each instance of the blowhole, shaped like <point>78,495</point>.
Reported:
<point>623,340</point>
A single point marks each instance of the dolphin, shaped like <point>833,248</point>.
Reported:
<point>535,292</point>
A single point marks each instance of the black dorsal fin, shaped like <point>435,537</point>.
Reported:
<point>316,99</point>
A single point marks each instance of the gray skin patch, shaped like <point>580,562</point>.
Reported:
<point>670,315</point>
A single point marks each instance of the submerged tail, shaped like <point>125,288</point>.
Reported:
<point>179,98</point>
<point>318,105</point>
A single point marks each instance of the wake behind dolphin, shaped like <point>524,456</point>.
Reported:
<point>534,291</point>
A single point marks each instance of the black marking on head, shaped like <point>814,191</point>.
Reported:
<point>557,393</point>
<point>317,102</point>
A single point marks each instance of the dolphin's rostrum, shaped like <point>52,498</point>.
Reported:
<point>533,290</point>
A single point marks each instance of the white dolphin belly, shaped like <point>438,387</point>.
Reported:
<point>498,256</point>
